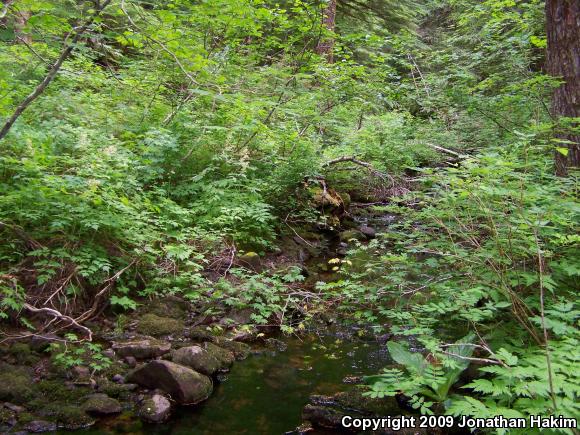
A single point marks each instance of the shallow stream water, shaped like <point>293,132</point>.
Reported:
<point>265,393</point>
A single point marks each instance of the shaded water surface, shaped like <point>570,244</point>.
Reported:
<point>265,393</point>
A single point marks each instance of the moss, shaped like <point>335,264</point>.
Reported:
<point>69,415</point>
<point>16,384</point>
<point>56,390</point>
<point>151,324</point>
<point>25,417</point>
<point>23,354</point>
<point>112,389</point>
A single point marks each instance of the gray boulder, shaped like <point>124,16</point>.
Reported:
<point>184,385</point>
<point>155,409</point>
<point>145,348</point>
<point>101,404</point>
<point>369,232</point>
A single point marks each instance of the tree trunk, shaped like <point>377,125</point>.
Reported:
<point>326,44</point>
<point>563,60</point>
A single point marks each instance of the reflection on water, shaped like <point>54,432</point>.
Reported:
<point>265,393</point>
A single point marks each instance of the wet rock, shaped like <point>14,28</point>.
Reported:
<point>152,324</point>
<point>142,348</point>
<point>368,232</point>
<point>183,384</point>
<point>118,379</point>
<point>37,426</point>
<point>240,350</point>
<point>198,359</point>
<point>225,357</point>
<point>14,408</point>
<point>101,404</point>
<point>275,344</point>
<point>322,416</point>
<point>327,411</point>
<point>245,336</point>
<point>131,361</point>
<point>155,409</point>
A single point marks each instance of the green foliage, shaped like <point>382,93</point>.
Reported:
<point>423,378</point>
<point>80,354</point>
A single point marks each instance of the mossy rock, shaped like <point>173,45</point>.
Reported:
<point>240,350</point>
<point>69,415</point>
<point>16,384</point>
<point>101,404</point>
<point>346,200</point>
<point>57,390</point>
<point>347,235</point>
<point>225,357</point>
<point>200,334</point>
<point>250,260</point>
<point>325,198</point>
<point>112,389</point>
<point>151,324</point>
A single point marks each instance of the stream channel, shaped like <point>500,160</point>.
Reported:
<point>266,393</point>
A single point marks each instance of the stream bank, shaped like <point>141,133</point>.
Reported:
<point>166,357</point>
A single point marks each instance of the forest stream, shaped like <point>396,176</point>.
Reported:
<point>267,392</point>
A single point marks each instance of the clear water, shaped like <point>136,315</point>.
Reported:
<point>265,394</point>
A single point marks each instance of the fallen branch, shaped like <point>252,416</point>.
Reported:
<point>447,151</point>
<point>53,71</point>
<point>58,315</point>
<point>366,165</point>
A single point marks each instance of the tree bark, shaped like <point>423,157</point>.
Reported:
<point>326,44</point>
<point>563,61</point>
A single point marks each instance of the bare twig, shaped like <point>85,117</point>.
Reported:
<point>58,315</point>
<point>366,165</point>
<point>543,319</point>
<point>447,151</point>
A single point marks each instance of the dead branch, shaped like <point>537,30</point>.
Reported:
<point>366,165</point>
<point>109,284</point>
<point>53,71</point>
<point>447,151</point>
<point>58,315</point>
